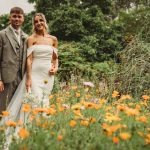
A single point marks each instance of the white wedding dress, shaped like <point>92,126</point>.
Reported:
<point>41,64</point>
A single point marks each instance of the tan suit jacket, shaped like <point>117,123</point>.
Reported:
<point>8,55</point>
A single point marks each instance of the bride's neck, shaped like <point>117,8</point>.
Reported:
<point>40,33</point>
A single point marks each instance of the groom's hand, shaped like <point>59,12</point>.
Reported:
<point>1,86</point>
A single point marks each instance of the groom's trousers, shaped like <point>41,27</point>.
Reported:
<point>7,94</point>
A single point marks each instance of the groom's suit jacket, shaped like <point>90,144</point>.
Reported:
<point>10,59</point>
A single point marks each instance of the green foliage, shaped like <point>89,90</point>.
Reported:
<point>135,20</point>
<point>73,62</point>
<point>67,24</point>
<point>126,4</point>
<point>4,21</point>
<point>86,23</point>
<point>27,26</point>
<point>134,68</point>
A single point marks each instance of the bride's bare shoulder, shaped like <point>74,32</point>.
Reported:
<point>31,39</point>
<point>52,37</point>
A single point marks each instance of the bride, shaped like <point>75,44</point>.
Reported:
<point>42,65</point>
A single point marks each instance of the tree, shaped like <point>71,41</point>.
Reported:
<point>126,4</point>
<point>4,21</point>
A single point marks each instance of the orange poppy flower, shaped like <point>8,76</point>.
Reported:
<point>26,108</point>
<point>60,137</point>
<point>84,123</point>
<point>115,140</point>
<point>11,123</point>
<point>125,136</point>
<point>73,123</point>
<point>115,94</point>
<point>145,97</point>
<point>23,133</point>
<point>5,113</point>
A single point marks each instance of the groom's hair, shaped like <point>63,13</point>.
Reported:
<point>17,10</point>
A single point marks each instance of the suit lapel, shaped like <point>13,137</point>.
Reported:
<point>10,35</point>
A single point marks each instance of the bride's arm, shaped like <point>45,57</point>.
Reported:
<point>54,59</point>
<point>29,66</point>
<point>28,75</point>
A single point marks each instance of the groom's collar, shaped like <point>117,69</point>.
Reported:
<point>14,30</point>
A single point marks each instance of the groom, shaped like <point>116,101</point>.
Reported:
<point>12,56</point>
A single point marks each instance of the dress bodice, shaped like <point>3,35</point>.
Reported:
<point>42,51</point>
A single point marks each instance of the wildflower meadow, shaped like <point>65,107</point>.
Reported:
<point>79,118</point>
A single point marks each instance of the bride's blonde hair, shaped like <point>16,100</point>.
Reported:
<point>43,17</point>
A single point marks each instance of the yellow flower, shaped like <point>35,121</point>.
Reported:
<point>131,112</point>
<point>97,106</point>
<point>31,117</point>
<point>60,137</point>
<point>89,105</point>
<point>11,123</point>
<point>45,81</point>
<point>50,111</point>
<point>102,101</point>
<point>20,122</point>
<point>73,123</point>
<point>147,139</point>
<point>77,112</point>
<point>130,104</point>
<point>26,108</point>
<point>123,97</point>
<point>77,106</point>
<point>110,117</point>
<point>45,124</point>
<point>52,124</point>
<point>137,106</point>
<point>121,107</point>
<point>92,120</point>
<point>38,122</point>
<point>53,106</point>
<point>52,133</point>
<point>142,119</point>
<point>58,99</point>
<point>148,129</point>
<point>51,96</point>
<point>23,148</point>
<point>145,97</point>
<point>115,94</point>
<point>115,140</point>
<point>5,113</point>
<point>2,128</point>
<point>84,123</point>
<point>77,94</point>
<point>61,108</point>
<point>125,136</point>
<point>140,133</point>
<point>23,133</point>
<point>111,129</point>
<point>108,108</point>
<point>87,96</point>
<point>74,87</point>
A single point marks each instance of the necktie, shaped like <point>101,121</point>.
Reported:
<point>18,35</point>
